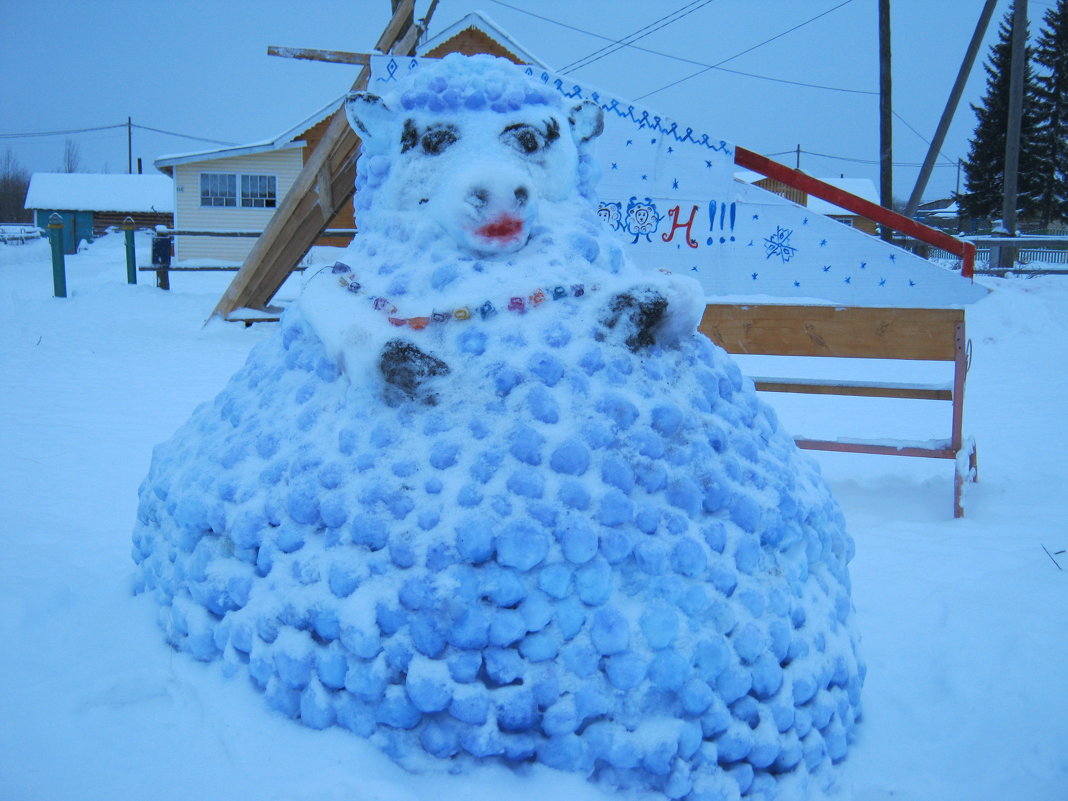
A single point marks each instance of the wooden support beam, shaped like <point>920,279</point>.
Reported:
<point>325,183</point>
<point>402,17</point>
<point>325,194</point>
<point>312,54</point>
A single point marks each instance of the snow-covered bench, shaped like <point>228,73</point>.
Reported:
<point>859,333</point>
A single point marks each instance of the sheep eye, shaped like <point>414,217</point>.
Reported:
<point>525,138</point>
<point>436,139</point>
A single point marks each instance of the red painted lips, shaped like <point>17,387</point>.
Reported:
<point>502,229</point>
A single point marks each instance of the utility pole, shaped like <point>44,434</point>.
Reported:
<point>886,149</point>
<point>129,146</point>
<point>1012,133</point>
<point>951,108</point>
<point>797,164</point>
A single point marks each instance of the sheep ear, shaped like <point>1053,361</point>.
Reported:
<point>368,114</point>
<point>587,121</point>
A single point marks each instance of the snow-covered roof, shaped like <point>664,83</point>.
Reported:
<point>861,187</point>
<point>491,29</point>
<point>83,191</point>
<point>282,141</point>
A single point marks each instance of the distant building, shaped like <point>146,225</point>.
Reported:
<point>861,187</point>
<point>238,188</point>
<point>942,213</point>
<point>90,203</point>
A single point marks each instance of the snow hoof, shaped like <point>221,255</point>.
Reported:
<point>407,368</point>
<point>637,315</point>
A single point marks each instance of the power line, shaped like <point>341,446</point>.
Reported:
<point>69,131</point>
<point>863,161</point>
<point>184,136</point>
<point>641,33</point>
<point>922,137</point>
<point>34,134</point>
<point>747,50</point>
<point>682,59</point>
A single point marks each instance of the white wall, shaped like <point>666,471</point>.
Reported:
<point>189,215</point>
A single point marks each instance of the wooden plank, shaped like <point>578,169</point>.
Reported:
<point>936,450</point>
<point>853,389</point>
<point>402,17</point>
<point>852,332</point>
<point>312,54</point>
<point>325,195</point>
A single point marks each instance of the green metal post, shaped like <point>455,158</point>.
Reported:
<point>131,257</point>
<point>59,267</point>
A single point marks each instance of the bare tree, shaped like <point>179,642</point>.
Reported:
<point>14,181</point>
<point>72,157</point>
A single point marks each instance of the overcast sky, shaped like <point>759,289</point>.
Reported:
<point>200,68</point>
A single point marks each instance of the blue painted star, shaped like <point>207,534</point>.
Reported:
<point>708,163</point>
<point>675,184</point>
<point>911,282</point>
<point>630,142</point>
<point>645,177</point>
<point>826,268</point>
<point>823,243</point>
<point>864,265</point>
<point>893,257</point>
<point>882,282</point>
<point>805,221</point>
<point>615,166</point>
<point>849,279</point>
<point>756,216</point>
<point>797,283</point>
<point>754,276</point>
<point>694,269</point>
<point>652,141</point>
<point>671,150</point>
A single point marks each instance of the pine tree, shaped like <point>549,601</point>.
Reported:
<point>985,165</point>
<point>1051,54</point>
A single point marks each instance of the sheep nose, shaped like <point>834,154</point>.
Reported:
<point>479,197</point>
<point>522,195</point>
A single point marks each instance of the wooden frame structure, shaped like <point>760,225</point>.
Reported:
<point>860,333</point>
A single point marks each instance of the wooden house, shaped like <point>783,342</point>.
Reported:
<point>860,187</point>
<point>475,34</point>
<point>90,203</point>
<point>237,189</point>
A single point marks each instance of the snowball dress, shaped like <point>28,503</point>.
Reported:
<point>565,546</point>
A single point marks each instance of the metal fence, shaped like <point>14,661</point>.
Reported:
<point>18,233</point>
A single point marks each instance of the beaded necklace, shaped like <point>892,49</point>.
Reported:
<point>516,304</point>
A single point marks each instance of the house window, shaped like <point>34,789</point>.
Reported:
<point>218,189</point>
<point>258,192</point>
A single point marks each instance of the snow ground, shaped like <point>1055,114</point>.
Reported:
<point>965,622</point>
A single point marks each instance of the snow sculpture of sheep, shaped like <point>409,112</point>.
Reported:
<point>488,496</point>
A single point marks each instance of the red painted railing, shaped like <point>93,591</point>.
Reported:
<point>858,205</point>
